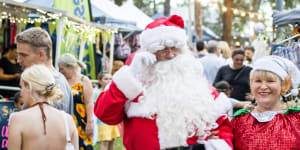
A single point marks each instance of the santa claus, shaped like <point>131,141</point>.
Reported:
<point>163,97</point>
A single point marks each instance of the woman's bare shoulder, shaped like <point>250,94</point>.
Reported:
<point>19,114</point>
<point>35,111</point>
<point>17,117</point>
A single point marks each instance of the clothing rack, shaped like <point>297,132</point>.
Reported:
<point>290,38</point>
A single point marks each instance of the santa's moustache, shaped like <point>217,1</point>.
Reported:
<point>177,92</point>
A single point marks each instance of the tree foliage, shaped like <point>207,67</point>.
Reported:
<point>287,4</point>
<point>238,22</point>
<point>119,2</point>
<point>167,7</point>
<point>148,6</point>
<point>198,20</point>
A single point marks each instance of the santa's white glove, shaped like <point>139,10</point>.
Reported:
<point>140,62</point>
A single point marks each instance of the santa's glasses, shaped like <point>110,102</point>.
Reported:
<point>167,50</point>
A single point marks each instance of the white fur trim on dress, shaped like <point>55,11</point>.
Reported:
<point>216,144</point>
<point>160,37</point>
<point>127,83</point>
<point>223,103</point>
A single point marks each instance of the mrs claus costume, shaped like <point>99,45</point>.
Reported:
<point>270,130</point>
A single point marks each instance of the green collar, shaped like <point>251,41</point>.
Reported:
<point>240,112</point>
<point>293,109</point>
<point>245,111</point>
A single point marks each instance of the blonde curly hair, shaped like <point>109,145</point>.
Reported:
<point>41,84</point>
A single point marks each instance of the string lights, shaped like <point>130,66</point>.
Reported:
<point>242,13</point>
<point>17,14</point>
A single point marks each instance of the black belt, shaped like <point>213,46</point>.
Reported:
<point>191,147</point>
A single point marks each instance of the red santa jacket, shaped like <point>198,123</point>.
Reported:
<point>141,133</point>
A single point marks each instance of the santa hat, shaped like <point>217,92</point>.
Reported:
<point>282,67</point>
<point>163,32</point>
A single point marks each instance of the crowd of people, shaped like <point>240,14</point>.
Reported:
<point>166,96</point>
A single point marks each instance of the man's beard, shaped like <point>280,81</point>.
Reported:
<point>178,93</point>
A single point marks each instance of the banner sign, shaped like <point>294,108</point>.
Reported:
<point>71,42</point>
<point>72,38</point>
<point>89,60</point>
<point>6,108</point>
<point>79,8</point>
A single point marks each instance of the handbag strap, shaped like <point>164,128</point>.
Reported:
<point>67,128</point>
<point>239,73</point>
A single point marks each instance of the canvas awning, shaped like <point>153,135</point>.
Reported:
<point>283,18</point>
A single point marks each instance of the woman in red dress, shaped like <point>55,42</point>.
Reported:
<point>272,124</point>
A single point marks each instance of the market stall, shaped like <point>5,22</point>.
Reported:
<point>69,33</point>
<point>286,26</point>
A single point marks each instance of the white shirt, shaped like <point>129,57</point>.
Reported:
<point>211,64</point>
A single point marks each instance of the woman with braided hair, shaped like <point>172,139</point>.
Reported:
<point>271,123</point>
<point>40,126</point>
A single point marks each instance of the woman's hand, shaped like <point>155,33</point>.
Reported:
<point>89,128</point>
<point>249,97</point>
<point>214,135</point>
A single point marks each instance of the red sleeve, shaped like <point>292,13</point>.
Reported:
<point>224,125</point>
<point>214,91</point>
<point>129,59</point>
<point>109,106</point>
<point>225,130</point>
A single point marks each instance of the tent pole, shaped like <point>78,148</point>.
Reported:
<point>58,39</point>
<point>81,50</point>
<point>190,25</point>
<point>279,7</point>
<point>127,35</point>
<point>111,54</point>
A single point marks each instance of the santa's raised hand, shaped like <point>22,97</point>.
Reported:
<point>140,62</point>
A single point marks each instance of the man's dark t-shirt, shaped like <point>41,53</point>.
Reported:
<point>9,68</point>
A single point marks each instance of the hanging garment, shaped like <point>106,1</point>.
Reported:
<point>291,52</point>
<point>13,33</point>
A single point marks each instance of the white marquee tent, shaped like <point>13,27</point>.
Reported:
<point>141,19</point>
<point>127,12</point>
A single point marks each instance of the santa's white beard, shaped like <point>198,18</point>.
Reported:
<point>177,92</point>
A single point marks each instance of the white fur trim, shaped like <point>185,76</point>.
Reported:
<point>216,144</point>
<point>127,83</point>
<point>223,103</point>
<point>138,109</point>
<point>158,38</point>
